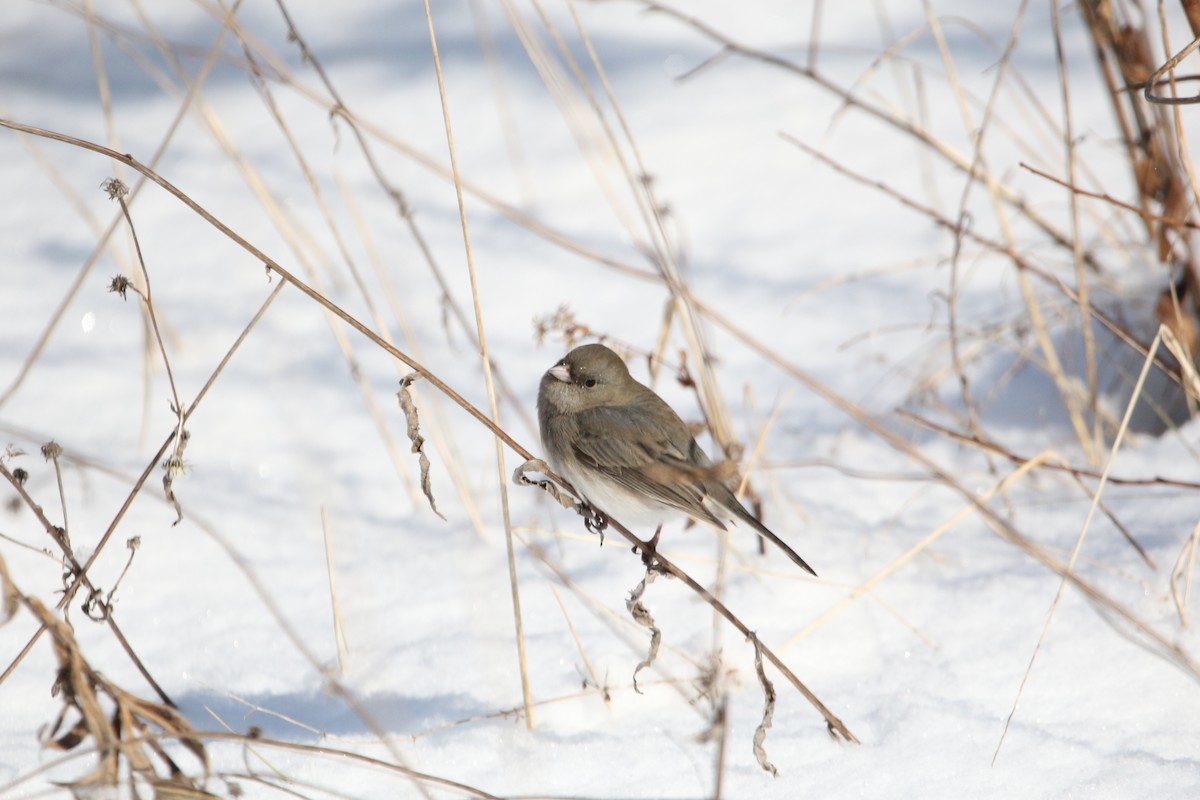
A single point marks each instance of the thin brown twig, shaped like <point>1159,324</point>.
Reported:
<point>117,190</point>
<point>1149,216</point>
<point>264,741</point>
<point>1082,284</point>
<point>1166,646</point>
<point>105,237</point>
<point>954,158</point>
<point>1057,465</point>
<point>1016,458</point>
<point>82,574</point>
<point>325,302</point>
<point>1068,571</point>
<point>1157,78</point>
<point>79,575</point>
<point>1018,258</point>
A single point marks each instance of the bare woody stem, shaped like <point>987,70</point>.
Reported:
<point>833,722</point>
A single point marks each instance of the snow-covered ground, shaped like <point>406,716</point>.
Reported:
<point>920,631</point>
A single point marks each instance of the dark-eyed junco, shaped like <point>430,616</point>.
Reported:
<point>627,451</point>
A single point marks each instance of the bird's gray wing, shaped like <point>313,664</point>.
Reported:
<point>662,462</point>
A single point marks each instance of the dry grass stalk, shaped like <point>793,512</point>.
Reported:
<point>868,585</point>
<point>339,630</point>
<point>74,576</point>
<point>1181,574</point>
<point>592,678</point>
<point>1070,565</point>
<point>173,466</point>
<point>80,575</point>
<point>660,563</point>
<point>481,336</point>
<point>1159,642</point>
<point>131,736</point>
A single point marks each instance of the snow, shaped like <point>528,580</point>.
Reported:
<point>920,633</point>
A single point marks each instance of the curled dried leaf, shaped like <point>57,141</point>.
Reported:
<point>760,733</point>
<point>132,732</point>
<point>593,519</point>
<point>168,487</point>
<point>536,465</point>
<point>412,420</point>
<point>641,615</point>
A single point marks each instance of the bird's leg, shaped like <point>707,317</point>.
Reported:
<point>650,551</point>
<point>594,520</point>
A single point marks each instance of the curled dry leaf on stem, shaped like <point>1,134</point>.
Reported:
<point>593,520</point>
<point>760,733</point>
<point>413,423</point>
<point>641,615</point>
<point>173,467</point>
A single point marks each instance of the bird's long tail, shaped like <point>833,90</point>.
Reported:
<point>766,533</point>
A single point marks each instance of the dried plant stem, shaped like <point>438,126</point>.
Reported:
<point>277,215</point>
<point>118,191</point>
<point>81,576</point>
<point>339,110</point>
<point>1149,216</point>
<point>350,756</point>
<point>649,208</point>
<point>52,452</point>
<point>662,564</point>
<point>104,238</point>
<point>1087,521</point>
<point>587,664</point>
<point>1081,279</point>
<point>1166,646</point>
<point>275,266</point>
<point>1017,458</point>
<point>325,302</point>
<point>339,630</point>
<point>481,335</point>
<point>301,645</point>
<point>968,184</point>
<point>866,586</point>
<point>102,85</point>
<point>1182,573</point>
<point>853,100</point>
<point>1023,264</point>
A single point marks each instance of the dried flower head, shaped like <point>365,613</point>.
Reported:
<point>120,285</point>
<point>115,189</point>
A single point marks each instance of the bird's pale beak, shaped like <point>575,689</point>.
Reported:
<point>562,372</point>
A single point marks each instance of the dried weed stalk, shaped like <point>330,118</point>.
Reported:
<point>129,739</point>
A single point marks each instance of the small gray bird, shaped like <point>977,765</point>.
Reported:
<point>627,452</point>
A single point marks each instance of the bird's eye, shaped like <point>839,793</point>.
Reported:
<point>590,382</point>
